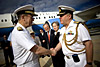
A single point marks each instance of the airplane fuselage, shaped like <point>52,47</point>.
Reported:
<point>6,24</point>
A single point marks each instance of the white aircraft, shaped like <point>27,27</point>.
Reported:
<point>6,24</point>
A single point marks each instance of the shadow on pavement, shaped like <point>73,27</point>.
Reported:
<point>2,65</point>
<point>97,63</point>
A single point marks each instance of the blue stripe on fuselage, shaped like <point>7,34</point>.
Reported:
<point>5,31</point>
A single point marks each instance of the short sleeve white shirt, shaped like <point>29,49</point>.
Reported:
<point>83,35</point>
<point>22,43</point>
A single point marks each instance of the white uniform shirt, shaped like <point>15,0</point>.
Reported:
<point>22,42</point>
<point>9,37</point>
<point>83,35</point>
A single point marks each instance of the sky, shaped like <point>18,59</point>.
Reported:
<point>8,6</point>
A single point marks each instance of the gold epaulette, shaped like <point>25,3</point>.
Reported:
<point>76,22</point>
<point>19,28</point>
<point>82,24</point>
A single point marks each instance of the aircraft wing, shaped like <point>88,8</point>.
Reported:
<point>90,13</point>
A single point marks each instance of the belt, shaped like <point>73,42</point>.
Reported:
<point>69,57</point>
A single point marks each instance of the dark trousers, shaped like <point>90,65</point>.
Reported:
<point>58,60</point>
<point>8,54</point>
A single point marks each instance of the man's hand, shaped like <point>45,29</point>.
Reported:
<point>6,48</point>
<point>43,41</point>
<point>53,52</point>
<point>42,51</point>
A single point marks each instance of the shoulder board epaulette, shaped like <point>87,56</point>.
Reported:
<point>82,24</point>
<point>76,22</point>
<point>19,28</point>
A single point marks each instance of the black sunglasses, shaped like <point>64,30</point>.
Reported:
<point>62,15</point>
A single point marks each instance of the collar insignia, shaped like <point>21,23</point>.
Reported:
<point>19,28</point>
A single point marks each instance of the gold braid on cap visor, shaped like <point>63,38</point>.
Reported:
<point>29,12</point>
<point>75,40</point>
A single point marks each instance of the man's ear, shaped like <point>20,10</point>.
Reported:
<point>69,15</point>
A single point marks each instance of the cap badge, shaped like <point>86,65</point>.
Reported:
<point>19,28</point>
<point>59,10</point>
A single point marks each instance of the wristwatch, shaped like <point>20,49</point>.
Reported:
<point>89,63</point>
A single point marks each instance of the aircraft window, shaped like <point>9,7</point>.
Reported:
<point>46,13</point>
<point>49,16</point>
<point>2,20</point>
<point>5,20</point>
<point>36,18</point>
<point>39,17</point>
<point>44,17</point>
<point>54,16</point>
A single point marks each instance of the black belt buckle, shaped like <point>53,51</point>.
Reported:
<point>75,58</point>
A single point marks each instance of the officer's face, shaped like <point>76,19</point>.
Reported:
<point>64,19</point>
<point>55,27</point>
<point>28,20</point>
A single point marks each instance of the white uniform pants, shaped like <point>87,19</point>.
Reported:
<point>70,62</point>
<point>30,64</point>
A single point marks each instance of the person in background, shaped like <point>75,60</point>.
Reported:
<point>43,40</point>
<point>49,33</point>
<point>35,38</point>
<point>58,59</point>
<point>75,40</point>
<point>25,50</point>
<point>8,54</point>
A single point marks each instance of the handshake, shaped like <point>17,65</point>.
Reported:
<point>43,51</point>
<point>53,52</point>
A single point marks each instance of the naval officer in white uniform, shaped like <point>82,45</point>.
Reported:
<point>24,47</point>
<point>75,40</point>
